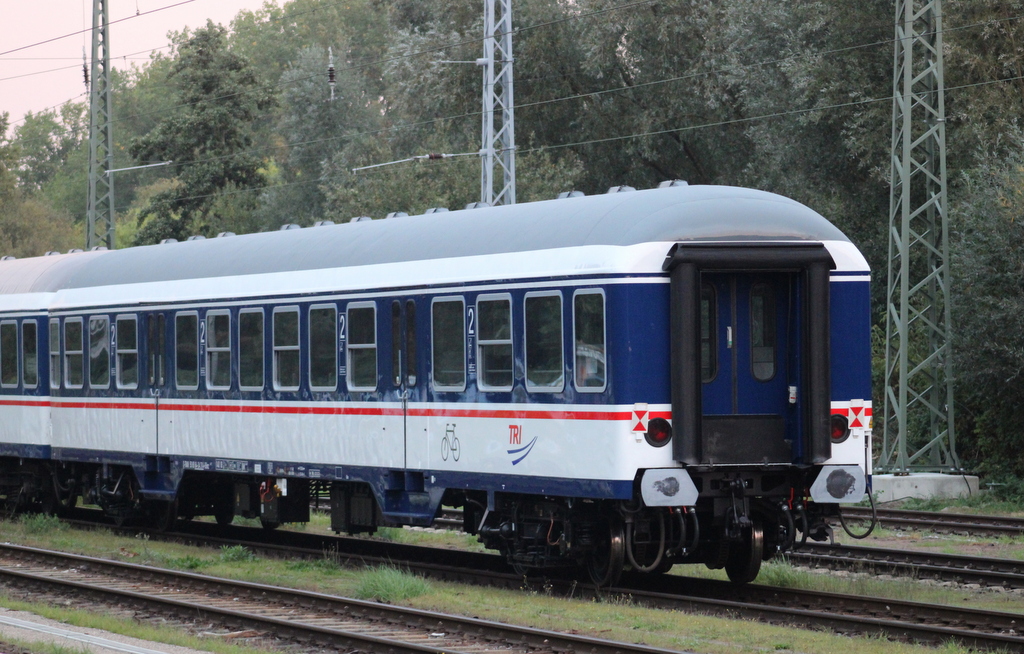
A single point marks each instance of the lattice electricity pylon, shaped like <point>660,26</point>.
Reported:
<point>498,151</point>
<point>918,429</point>
<point>100,211</point>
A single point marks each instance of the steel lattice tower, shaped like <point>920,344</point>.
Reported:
<point>498,151</point>
<point>918,419</point>
<point>100,212</point>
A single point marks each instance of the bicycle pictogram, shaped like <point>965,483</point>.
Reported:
<point>450,443</point>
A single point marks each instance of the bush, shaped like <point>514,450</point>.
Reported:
<point>389,584</point>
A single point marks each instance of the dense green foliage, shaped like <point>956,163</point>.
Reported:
<point>791,97</point>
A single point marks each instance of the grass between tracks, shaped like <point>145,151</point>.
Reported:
<point>612,618</point>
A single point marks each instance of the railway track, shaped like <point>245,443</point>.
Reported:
<point>960,523</point>
<point>895,618</point>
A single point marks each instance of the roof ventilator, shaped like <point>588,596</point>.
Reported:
<point>621,189</point>
<point>7,257</point>
<point>168,240</point>
<point>672,182</point>
<point>98,248</point>
<point>360,219</point>
<point>287,226</point>
<point>436,210</point>
<point>570,194</point>
<point>323,223</point>
<point>50,253</point>
<point>74,250</point>
<point>478,205</point>
<point>396,214</point>
<point>196,237</point>
<point>224,234</point>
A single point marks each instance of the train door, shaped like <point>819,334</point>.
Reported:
<point>156,370</point>
<point>748,342</point>
<point>404,376</point>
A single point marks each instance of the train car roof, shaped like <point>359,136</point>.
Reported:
<point>673,214</point>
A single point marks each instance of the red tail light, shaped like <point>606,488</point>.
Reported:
<point>659,432</point>
<point>840,428</point>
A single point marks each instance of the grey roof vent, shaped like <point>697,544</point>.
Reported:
<point>51,253</point>
<point>396,214</point>
<point>224,234</point>
<point>360,219</point>
<point>196,237</point>
<point>287,226</point>
<point>436,210</point>
<point>621,189</point>
<point>672,182</point>
<point>168,240</point>
<point>7,257</point>
<point>323,223</point>
<point>478,205</point>
<point>98,248</point>
<point>570,194</point>
<point>74,250</point>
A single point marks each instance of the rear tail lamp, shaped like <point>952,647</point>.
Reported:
<point>840,428</point>
<point>659,432</point>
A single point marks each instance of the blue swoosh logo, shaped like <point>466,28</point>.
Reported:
<point>526,448</point>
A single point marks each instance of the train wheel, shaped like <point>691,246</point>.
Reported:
<point>166,515</point>
<point>745,558</point>
<point>604,565</point>
<point>224,515</point>
<point>65,497</point>
<point>269,525</point>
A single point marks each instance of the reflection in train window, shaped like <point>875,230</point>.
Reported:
<point>55,376</point>
<point>448,340</point>
<point>186,351</point>
<point>286,349</point>
<point>99,352</point>
<point>544,366</point>
<point>127,352</point>
<point>218,350</point>
<point>29,354</point>
<point>9,354</point>
<point>589,339</point>
<point>323,348</point>
<point>708,331</point>
<point>494,343</point>
<point>250,349</point>
<point>74,361</point>
<point>362,347</point>
<point>762,332</point>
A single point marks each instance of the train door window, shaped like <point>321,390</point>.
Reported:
<point>155,343</point>
<point>410,342</point>
<point>186,351</point>
<point>361,350</point>
<point>708,331</point>
<point>54,352</point>
<point>544,362</point>
<point>9,354</point>
<point>29,354</point>
<point>286,349</point>
<point>218,350</point>
<point>74,359</point>
<point>448,342</point>
<point>589,341</point>
<point>127,333</point>
<point>494,342</point>
<point>323,347</point>
<point>396,342</point>
<point>99,352</point>
<point>762,332</point>
<point>250,349</point>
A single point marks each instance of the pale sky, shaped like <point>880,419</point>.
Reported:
<point>41,76</point>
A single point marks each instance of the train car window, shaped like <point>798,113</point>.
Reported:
<point>494,343</point>
<point>762,332</point>
<point>156,349</point>
<point>396,342</point>
<point>323,347</point>
<point>74,359</point>
<point>708,331</point>
<point>127,333</point>
<point>55,353</point>
<point>544,361</point>
<point>218,350</point>
<point>29,354</point>
<point>589,341</point>
<point>448,342</point>
<point>186,351</point>
<point>410,342</point>
<point>361,351</point>
<point>99,352</point>
<point>250,349</point>
<point>9,354</point>
<point>286,349</point>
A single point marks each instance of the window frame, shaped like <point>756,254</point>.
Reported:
<point>212,349</point>
<point>534,388</point>
<point>770,308</point>
<point>349,347</point>
<point>334,347</point>
<point>56,367</point>
<point>17,354</point>
<point>119,350</point>
<point>433,350</point>
<point>604,343</point>
<point>481,343</point>
<point>274,349</point>
<point>185,314</point>
<point>24,355</point>
<point>69,353</point>
<point>156,349</point>
<point>262,350</point>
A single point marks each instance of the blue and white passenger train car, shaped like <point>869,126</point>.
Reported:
<point>634,379</point>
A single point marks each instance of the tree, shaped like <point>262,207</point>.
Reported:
<point>209,136</point>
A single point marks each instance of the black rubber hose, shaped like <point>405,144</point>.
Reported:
<point>874,521</point>
<point>629,547</point>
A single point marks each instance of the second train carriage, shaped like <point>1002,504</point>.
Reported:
<point>639,378</point>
